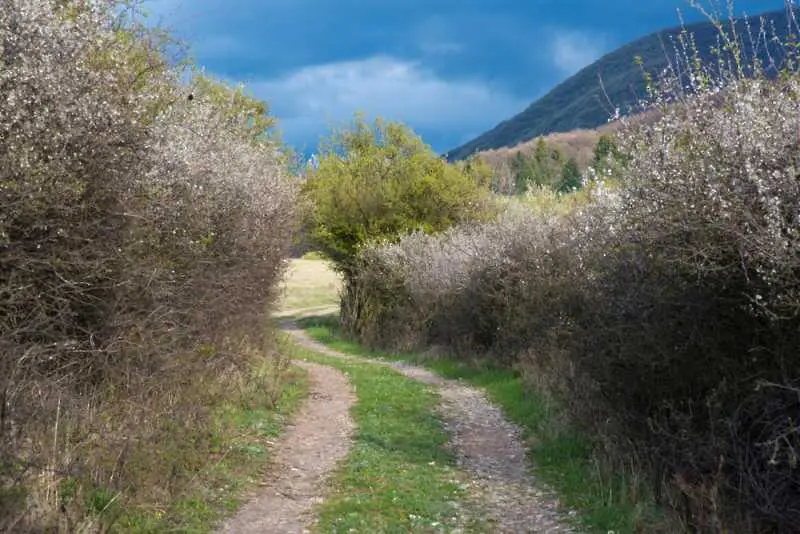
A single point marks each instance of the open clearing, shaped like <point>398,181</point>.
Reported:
<point>309,284</point>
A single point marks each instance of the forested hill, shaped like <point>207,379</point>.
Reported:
<point>579,101</point>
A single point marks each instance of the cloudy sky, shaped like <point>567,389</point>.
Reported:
<point>450,69</point>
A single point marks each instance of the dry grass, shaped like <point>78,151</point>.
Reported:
<point>309,283</point>
<point>578,144</point>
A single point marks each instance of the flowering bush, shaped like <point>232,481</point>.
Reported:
<point>663,314</point>
<point>377,182</point>
<point>699,302</point>
<point>141,231</point>
<point>469,289</point>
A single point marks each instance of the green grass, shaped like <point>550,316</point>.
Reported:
<point>398,477</point>
<point>242,433</point>
<point>607,501</point>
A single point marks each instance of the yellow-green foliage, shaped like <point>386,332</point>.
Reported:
<point>478,169</point>
<point>377,182</point>
<point>543,200</point>
<point>232,103</point>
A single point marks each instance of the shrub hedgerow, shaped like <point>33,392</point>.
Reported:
<point>142,234</point>
<point>662,314</point>
<point>469,288</point>
<point>706,273</point>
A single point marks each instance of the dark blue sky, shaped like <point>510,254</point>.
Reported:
<point>449,69</point>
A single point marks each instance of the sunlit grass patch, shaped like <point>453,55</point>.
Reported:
<point>309,283</point>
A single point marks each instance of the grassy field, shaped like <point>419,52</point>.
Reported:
<point>309,283</point>
<point>398,477</point>
<point>608,501</point>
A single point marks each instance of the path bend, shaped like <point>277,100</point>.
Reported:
<point>488,447</point>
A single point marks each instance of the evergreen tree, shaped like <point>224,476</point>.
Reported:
<point>571,179</point>
<point>523,170</point>
<point>607,156</point>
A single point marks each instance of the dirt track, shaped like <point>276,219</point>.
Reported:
<point>488,448</point>
<point>302,458</point>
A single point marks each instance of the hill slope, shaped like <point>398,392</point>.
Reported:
<point>579,101</point>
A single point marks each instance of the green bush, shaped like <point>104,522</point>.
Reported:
<point>376,183</point>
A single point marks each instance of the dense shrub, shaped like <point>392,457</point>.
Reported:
<point>141,236</point>
<point>663,314</point>
<point>696,312</point>
<point>375,183</point>
<point>469,289</point>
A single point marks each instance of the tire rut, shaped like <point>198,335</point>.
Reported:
<point>303,456</point>
<point>487,446</point>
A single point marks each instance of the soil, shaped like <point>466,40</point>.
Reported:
<point>302,458</point>
<point>488,448</point>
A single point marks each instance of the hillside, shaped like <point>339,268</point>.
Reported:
<point>576,144</point>
<point>580,103</point>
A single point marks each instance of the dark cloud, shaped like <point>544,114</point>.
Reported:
<point>468,64</point>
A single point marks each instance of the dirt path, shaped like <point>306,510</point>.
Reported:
<point>488,448</point>
<point>304,455</point>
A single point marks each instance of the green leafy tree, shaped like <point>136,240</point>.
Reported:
<point>605,146</point>
<point>524,170</point>
<point>477,169</point>
<point>544,167</point>
<point>552,168</point>
<point>541,153</point>
<point>377,182</point>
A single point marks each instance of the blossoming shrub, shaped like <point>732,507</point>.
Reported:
<point>694,344</point>
<point>663,314</point>
<point>377,182</point>
<point>141,237</point>
<point>469,290</point>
